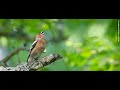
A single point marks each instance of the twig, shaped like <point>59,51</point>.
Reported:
<point>13,53</point>
<point>33,65</point>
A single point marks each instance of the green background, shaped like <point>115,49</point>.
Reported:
<point>84,44</point>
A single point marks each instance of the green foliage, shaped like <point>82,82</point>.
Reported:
<point>84,44</point>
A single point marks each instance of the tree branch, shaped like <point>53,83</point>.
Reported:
<point>23,47</point>
<point>34,64</point>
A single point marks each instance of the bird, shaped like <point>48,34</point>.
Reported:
<point>37,47</point>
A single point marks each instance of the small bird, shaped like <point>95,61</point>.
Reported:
<point>37,48</point>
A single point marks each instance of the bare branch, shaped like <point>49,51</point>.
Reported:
<point>13,53</point>
<point>33,65</point>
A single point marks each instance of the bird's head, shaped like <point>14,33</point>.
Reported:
<point>40,35</point>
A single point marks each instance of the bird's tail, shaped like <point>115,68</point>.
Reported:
<point>28,57</point>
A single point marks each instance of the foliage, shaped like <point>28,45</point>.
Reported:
<point>84,44</point>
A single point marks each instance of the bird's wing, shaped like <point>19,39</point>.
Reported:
<point>31,48</point>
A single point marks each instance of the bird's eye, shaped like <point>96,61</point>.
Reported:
<point>42,32</point>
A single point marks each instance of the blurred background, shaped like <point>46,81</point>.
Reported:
<point>84,44</point>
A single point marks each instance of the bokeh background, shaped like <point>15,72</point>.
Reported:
<point>84,44</point>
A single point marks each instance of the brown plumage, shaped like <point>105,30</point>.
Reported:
<point>37,47</point>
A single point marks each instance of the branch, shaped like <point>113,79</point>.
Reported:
<point>33,65</point>
<point>23,47</point>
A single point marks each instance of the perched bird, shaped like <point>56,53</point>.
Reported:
<point>37,48</point>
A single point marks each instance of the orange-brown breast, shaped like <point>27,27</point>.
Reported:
<point>39,48</point>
